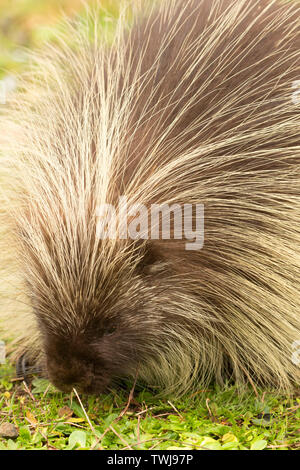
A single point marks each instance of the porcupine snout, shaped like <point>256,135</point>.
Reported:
<point>68,374</point>
<point>68,370</point>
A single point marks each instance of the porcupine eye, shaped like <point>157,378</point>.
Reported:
<point>97,333</point>
<point>110,331</point>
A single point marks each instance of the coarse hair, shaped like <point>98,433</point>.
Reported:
<point>192,104</point>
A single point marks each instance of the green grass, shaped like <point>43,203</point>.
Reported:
<point>211,419</point>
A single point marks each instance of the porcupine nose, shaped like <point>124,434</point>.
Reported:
<point>69,374</point>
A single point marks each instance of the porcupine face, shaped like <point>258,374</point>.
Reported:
<point>89,362</point>
<point>76,362</point>
<point>96,340</point>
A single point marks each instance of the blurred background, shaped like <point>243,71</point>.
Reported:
<point>29,23</point>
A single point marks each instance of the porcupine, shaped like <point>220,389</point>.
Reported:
<point>195,103</point>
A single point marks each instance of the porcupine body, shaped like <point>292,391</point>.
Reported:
<point>193,105</point>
